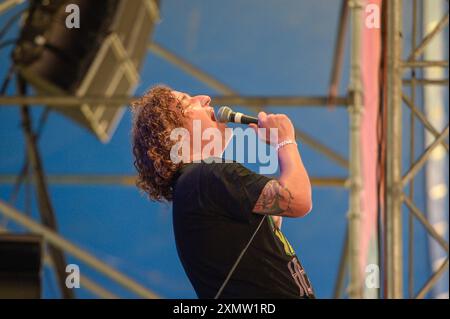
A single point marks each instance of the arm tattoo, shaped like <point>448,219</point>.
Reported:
<point>274,199</point>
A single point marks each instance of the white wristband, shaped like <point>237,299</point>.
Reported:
<point>284,143</point>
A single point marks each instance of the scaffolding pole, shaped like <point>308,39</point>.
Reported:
<point>355,92</point>
<point>67,101</point>
<point>46,210</point>
<point>412,144</point>
<point>394,244</point>
<point>130,180</point>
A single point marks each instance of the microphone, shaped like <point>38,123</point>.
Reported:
<point>225,114</point>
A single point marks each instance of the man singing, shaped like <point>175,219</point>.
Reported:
<point>226,218</point>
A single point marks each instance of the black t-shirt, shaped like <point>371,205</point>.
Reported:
<point>213,221</point>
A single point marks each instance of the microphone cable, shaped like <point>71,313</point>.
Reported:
<point>239,259</point>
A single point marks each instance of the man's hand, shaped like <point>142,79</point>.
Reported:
<point>280,122</point>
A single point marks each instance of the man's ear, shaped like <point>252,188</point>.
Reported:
<point>188,113</point>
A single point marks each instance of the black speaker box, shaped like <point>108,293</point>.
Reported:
<point>20,266</point>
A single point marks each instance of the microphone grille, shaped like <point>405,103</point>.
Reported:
<point>223,115</point>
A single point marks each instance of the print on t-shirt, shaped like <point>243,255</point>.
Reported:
<point>294,266</point>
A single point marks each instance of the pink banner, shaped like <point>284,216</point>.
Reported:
<point>371,53</point>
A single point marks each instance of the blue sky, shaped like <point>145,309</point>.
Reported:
<point>256,48</point>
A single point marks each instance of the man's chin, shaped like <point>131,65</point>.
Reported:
<point>221,126</point>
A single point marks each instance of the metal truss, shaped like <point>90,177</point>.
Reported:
<point>395,181</point>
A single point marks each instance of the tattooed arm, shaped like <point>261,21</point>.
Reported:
<point>290,195</point>
<point>274,199</point>
<point>277,200</point>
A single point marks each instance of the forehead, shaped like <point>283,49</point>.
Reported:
<point>178,95</point>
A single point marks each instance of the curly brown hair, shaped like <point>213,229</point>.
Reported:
<point>155,114</point>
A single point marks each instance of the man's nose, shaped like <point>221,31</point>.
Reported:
<point>203,99</point>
